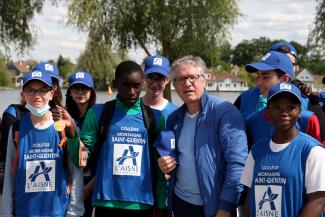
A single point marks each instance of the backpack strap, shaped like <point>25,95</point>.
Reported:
<point>105,121</point>
<point>20,110</point>
<point>149,122</point>
<point>15,134</point>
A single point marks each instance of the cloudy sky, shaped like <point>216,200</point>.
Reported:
<point>285,19</point>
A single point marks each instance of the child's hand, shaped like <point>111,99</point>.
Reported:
<point>59,113</point>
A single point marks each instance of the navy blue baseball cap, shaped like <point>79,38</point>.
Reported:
<point>38,75</point>
<point>273,60</point>
<point>165,144</point>
<point>157,64</point>
<point>292,49</point>
<point>81,77</point>
<point>48,67</point>
<point>284,87</point>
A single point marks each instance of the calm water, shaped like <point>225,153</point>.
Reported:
<point>8,97</point>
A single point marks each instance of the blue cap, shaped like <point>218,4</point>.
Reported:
<point>284,87</point>
<point>48,67</point>
<point>157,64</point>
<point>38,75</point>
<point>81,77</point>
<point>284,43</point>
<point>273,60</point>
<point>165,144</point>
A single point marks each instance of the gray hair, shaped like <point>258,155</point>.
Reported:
<point>186,61</point>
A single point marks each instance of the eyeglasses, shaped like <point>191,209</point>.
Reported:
<point>77,89</point>
<point>290,109</point>
<point>190,78</point>
<point>32,92</point>
<point>159,81</point>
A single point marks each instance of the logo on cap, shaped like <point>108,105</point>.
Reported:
<point>157,61</point>
<point>266,56</point>
<point>36,74</point>
<point>80,75</point>
<point>49,67</point>
<point>285,86</point>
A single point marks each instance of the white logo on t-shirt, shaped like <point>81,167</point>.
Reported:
<point>127,159</point>
<point>40,176</point>
<point>268,200</point>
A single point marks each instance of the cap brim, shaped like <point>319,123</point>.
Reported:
<point>81,82</point>
<point>157,70</point>
<point>284,91</point>
<point>258,67</point>
<point>38,79</point>
<point>55,76</point>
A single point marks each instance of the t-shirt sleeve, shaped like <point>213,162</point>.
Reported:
<point>315,173</point>
<point>313,127</point>
<point>247,175</point>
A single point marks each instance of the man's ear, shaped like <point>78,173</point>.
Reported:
<point>267,115</point>
<point>285,78</point>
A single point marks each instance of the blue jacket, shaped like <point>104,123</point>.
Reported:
<point>220,153</point>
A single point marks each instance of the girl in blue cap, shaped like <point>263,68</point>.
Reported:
<point>40,179</point>
<point>285,173</point>
<point>79,98</point>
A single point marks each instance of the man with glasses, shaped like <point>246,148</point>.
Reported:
<point>211,147</point>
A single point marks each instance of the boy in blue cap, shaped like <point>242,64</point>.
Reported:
<point>125,170</point>
<point>157,76</point>
<point>56,80</point>
<point>272,69</point>
<point>285,172</point>
<point>40,180</point>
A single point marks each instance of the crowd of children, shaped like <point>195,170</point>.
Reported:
<point>144,157</point>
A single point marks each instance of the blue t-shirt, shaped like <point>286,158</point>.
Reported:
<point>185,189</point>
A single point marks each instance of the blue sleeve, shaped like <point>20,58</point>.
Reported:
<point>233,143</point>
<point>322,96</point>
<point>7,202</point>
<point>11,110</point>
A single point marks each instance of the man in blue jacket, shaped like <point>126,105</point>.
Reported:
<point>211,147</point>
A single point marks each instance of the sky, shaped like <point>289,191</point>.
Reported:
<point>276,19</point>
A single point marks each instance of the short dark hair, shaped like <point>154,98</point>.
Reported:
<point>127,67</point>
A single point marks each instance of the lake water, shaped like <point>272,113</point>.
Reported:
<point>8,97</point>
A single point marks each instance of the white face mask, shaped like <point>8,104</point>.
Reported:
<point>38,112</point>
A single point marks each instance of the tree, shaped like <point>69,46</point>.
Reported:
<point>316,38</point>
<point>248,51</point>
<point>65,67</point>
<point>5,78</point>
<point>15,22</point>
<point>99,60</point>
<point>165,23</point>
